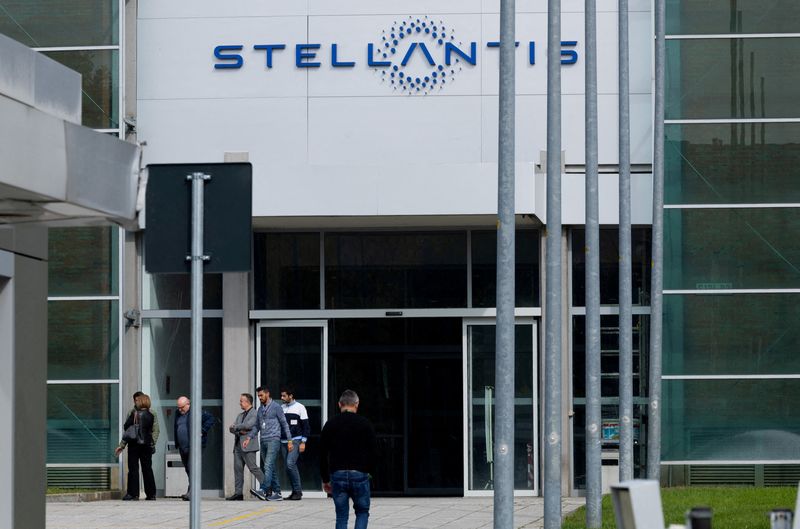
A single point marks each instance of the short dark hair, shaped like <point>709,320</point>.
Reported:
<point>248,396</point>
<point>289,390</point>
<point>259,389</point>
<point>349,398</point>
<point>137,394</point>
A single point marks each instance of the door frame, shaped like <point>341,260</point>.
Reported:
<point>320,324</point>
<point>467,322</point>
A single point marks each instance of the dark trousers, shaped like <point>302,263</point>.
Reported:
<point>140,455</point>
<point>185,460</point>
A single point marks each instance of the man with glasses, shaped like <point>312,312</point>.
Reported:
<point>183,435</point>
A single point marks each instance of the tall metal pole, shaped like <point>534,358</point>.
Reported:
<point>594,486</point>
<point>552,367</point>
<point>625,267</point>
<point>657,278</point>
<point>195,463</point>
<point>504,347</point>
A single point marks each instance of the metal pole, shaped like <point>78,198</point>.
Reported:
<point>657,278</point>
<point>504,362</point>
<point>625,267</point>
<point>594,485</point>
<point>197,259</point>
<point>552,396</point>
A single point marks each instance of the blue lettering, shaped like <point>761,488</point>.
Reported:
<point>371,58</point>
<point>472,58</point>
<point>335,59</point>
<point>569,56</point>
<point>268,48</point>
<point>235,57</point>
<point>532,52</point>
<point>301,56</point>
<point>424,50</point>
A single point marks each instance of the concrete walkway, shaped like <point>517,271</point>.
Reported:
<point>416,513</point>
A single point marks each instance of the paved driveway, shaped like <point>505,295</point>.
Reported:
<point>417,513</point>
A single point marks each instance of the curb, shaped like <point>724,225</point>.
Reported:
<point>80,497</point>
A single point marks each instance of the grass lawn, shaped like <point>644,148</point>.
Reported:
<point>734,507</point>
<point>62,490</point>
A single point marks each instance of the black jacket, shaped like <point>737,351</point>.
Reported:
<point>205,425</point>
<point>146,420</point>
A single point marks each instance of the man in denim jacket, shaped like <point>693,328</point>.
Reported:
<point>270,423</point>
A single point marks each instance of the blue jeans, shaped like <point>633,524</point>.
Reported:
<point>269,455</point>
<point>291,464</point>
<point>348,484</point>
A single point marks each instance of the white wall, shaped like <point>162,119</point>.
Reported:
<point>342,141</point>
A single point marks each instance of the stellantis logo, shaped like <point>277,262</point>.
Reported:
<point>416,55</point>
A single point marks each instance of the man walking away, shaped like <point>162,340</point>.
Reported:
<point>244,423</point>
<point>270,426</point>
<point>183,429</point>
<point>348,451</point>
<point>300,429</point>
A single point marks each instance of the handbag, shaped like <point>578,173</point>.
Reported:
<point>133,434</point>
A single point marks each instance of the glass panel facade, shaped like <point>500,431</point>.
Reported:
<point>174,291</point>
<point>82,423</point>
<point>704,17</point>
<point>83,261</point>
<point>287,271</point>
<point>40,23</point>
<point>481,359</point>
<point>740,163</point>
<point>394,269</point>
<point>609,266</point>
<point>484,268</point>
<point>732,248</point>
<point>100,71</point>
<point>168,342</point>
<point>292,356</point>
<point>732,334</point>
<point>732,78</point>
<point>83,340</point>
<point>731,420</point>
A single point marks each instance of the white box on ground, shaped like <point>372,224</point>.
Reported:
<point>637,504</point>
<point>175,481</point>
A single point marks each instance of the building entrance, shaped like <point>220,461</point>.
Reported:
<point>407,373</point>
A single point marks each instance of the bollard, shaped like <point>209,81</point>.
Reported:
<point>699,518</point>
<point>780,519</point>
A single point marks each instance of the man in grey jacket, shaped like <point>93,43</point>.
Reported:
<point>242,455</point>
<point>270,423</point>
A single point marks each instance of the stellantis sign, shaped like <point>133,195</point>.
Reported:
<point>416,54</point>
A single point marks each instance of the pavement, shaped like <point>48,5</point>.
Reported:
<point>410,513</point>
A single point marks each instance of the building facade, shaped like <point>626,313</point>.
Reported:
<point>372,130</point>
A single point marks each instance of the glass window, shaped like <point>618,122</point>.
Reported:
<point>733,78</point>
<point>174,291</point>
<point>82,423</point>
<point>83,261</point>
<point>704,17</point>
<point>42,23</point>
<point>100,71</point>
<point>609,266</point>
<point>287,271</point>
<point>740,163</point>
<point>731,334</point>
<point>730,420</point>
<point>82,340</point>
<point>481,358</point>
<point>168,344</point>
<point>484,268</point>
<point>395,270</point>
<point>731,248</point>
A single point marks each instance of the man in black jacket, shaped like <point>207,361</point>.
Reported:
<point>183,429</point>
<point>348,451</point>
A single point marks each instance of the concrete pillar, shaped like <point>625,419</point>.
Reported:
<point>237,361</point>
<point>23,383</point>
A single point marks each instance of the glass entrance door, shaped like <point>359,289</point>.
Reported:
<point>294,354</point>
<point>479,372</point>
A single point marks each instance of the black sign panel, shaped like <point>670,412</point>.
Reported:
<point>227,220</point>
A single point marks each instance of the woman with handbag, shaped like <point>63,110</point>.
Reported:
<point>138,437</point>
